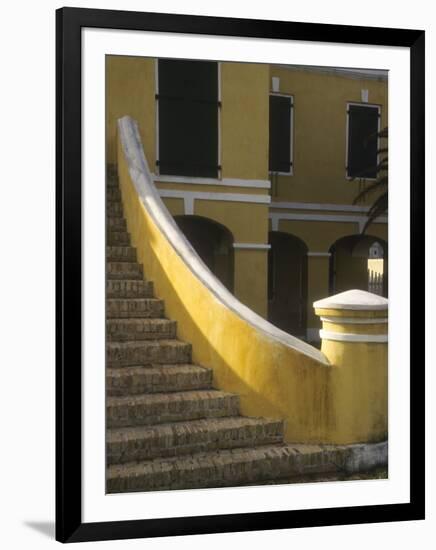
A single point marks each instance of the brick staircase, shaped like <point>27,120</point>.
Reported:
<point>167,427</point>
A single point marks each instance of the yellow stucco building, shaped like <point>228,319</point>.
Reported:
<point>260,164</point>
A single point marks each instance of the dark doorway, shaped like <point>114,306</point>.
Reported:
<point>213,243</point>
<point>287,283</point>
<point>350,264</point>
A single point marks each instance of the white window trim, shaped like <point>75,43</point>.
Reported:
<point>370,106</point>
<point>291,158</point>
<point>156,101</point>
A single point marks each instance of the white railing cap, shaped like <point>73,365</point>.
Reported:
<point>353,299</point>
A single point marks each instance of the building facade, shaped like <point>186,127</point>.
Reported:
<point>259,165</point>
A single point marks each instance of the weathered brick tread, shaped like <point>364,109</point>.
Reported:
<point>147,351</point>
<point>121,253</point>
<point>118,238</point>
<point>228,467</point>
<point>157,378</point>
<point>124,270</point>
<point>129,308</point>
<point>114,208</point>
<point>182,438</point>
<point>113,194</point>
<point>129,288</point>
<point>116,223</point>
<point>122,330</point>
<point>160,408</point>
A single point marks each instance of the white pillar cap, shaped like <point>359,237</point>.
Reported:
<point>353,300</point>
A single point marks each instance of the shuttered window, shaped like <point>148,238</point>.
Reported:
<point>280,134</point>
<point>363,125</point>
<point>188,118</point>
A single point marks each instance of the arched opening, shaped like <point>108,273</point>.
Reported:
<point>287,283</point>
<point>213,243</point>
<point>359,261</point>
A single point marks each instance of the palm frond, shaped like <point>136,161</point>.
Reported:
<point>379,208</point>
<point>378,185</point>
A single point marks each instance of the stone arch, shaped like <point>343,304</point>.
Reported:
<point>213,242</point>
<point>351,267</point>
<point>287,283</point>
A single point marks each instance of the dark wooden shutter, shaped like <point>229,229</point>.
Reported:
<point>280,133</point>
<point>362,141</point>
<point>188,118</point>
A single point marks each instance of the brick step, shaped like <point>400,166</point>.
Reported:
<point>122,330</point>
<point>123,354</point>
<point>157,379</point>
<point>161,408</point>
<point>114,208</point>
<point>126,288</point>
<point>222,468</point>
<point>116,223</point>
<point>118,238</point>
<point>122,308</point>
<point>113,193</point>
<point>124,270</point>
<point>112,181</point>
<point>120,254</point>
<point>182,438</point>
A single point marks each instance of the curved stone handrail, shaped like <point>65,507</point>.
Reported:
<point>146,190</point>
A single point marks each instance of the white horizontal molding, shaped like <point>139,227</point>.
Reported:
<point>359,220</point>
<point>356,338</point>
<point>210,196</point>
<point>190,196</point>
<point>355,320</point>
<point>228,182</point>
<point>319,206</point>
<point>251,246</point>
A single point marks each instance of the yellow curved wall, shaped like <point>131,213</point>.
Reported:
<point>272,379</point>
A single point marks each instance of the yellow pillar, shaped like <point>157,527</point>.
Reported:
<point>355,340</point>
<point>251,276</point>
<point>317,287</point>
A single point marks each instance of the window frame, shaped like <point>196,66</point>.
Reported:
<point>157,171</point>
<point>291,134</point>
<point>347,134</point>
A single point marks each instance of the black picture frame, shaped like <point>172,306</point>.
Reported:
<point>69,525</point>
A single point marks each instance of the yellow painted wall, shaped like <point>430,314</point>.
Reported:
<point>245,120</point>
<point>251,279</point>
<point>130,90</point>
<point>175,206</point>
<point>320,104</point>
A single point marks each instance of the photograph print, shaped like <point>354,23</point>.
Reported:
<point>246,274</point>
